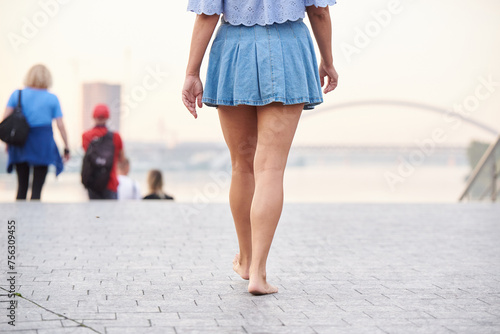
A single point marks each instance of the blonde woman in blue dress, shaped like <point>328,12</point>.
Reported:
<point>262,73</point>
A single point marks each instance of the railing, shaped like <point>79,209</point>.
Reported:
<point>484,182</point>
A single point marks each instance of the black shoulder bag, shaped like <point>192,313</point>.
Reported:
<point>14,129</point>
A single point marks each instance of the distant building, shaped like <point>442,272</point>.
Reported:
<point>98,92</point>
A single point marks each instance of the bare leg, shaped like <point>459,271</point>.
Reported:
<point>239,126</point>
<point>276,125</point>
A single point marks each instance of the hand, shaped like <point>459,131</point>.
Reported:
<point>66,155</point>
<point>331,73</point>
<point>192,92</point>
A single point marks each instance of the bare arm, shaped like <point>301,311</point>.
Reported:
<point>192,92</point>
<point>322,28</point>
<point>62,130</point>
<point>7,112</point>
<point>321,25</point>
<point>204,27</point>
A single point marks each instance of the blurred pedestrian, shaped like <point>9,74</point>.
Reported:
<point>40,107</point>
<point>262,72</point>
<point>128,188</point>
<point>155,183</point>
<point>103,150</point>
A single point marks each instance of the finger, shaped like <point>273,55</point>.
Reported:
<point>322,79</point>
<point>327,85</point>
<point>332,85</point>
<point>185,101</point>
<point>191,108</point>
<point>198,98</point>
<point>335,82</point>
<point>188,103</point>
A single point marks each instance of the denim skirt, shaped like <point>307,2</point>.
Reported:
<point>256,65</point>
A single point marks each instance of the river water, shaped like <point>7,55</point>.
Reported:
<point>357,183</point>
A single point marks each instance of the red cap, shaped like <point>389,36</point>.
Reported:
<point>101,111</point>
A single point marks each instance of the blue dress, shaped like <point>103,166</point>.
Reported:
<point>262,53</point>
<point>40,108</point>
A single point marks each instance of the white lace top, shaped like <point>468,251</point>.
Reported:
<point>251,12</point>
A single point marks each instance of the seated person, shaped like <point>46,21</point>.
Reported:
<point>155,183</point>
<point>128,188</point>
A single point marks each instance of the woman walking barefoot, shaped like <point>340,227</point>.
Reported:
<point>262,73</point>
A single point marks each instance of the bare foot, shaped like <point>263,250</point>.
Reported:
<point>261,287</point>
<point>244,273</point>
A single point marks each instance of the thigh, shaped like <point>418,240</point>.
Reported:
<point>239,127</point>
<point>23,172</point>
<point>39,174</point>
<point>23,175</point>
<point>276,125</point>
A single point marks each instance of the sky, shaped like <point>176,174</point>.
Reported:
<point>441,53</point>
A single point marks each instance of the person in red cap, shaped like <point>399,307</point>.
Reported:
<point>101,115</point>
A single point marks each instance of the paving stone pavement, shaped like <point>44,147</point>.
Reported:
<point>156,267</point>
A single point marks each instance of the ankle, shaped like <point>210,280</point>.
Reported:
<point>258,273</point>
<point>244,264</point>
<point>244,260</point>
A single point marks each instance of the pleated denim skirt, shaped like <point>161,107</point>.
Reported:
<point>257,65</point>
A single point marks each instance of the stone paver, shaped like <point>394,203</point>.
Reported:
<point>142,267</point>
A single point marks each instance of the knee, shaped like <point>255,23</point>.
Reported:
<point>272,170</point>
<point>242,159</point>
<point>270,163</point>
<point>242,166</point>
